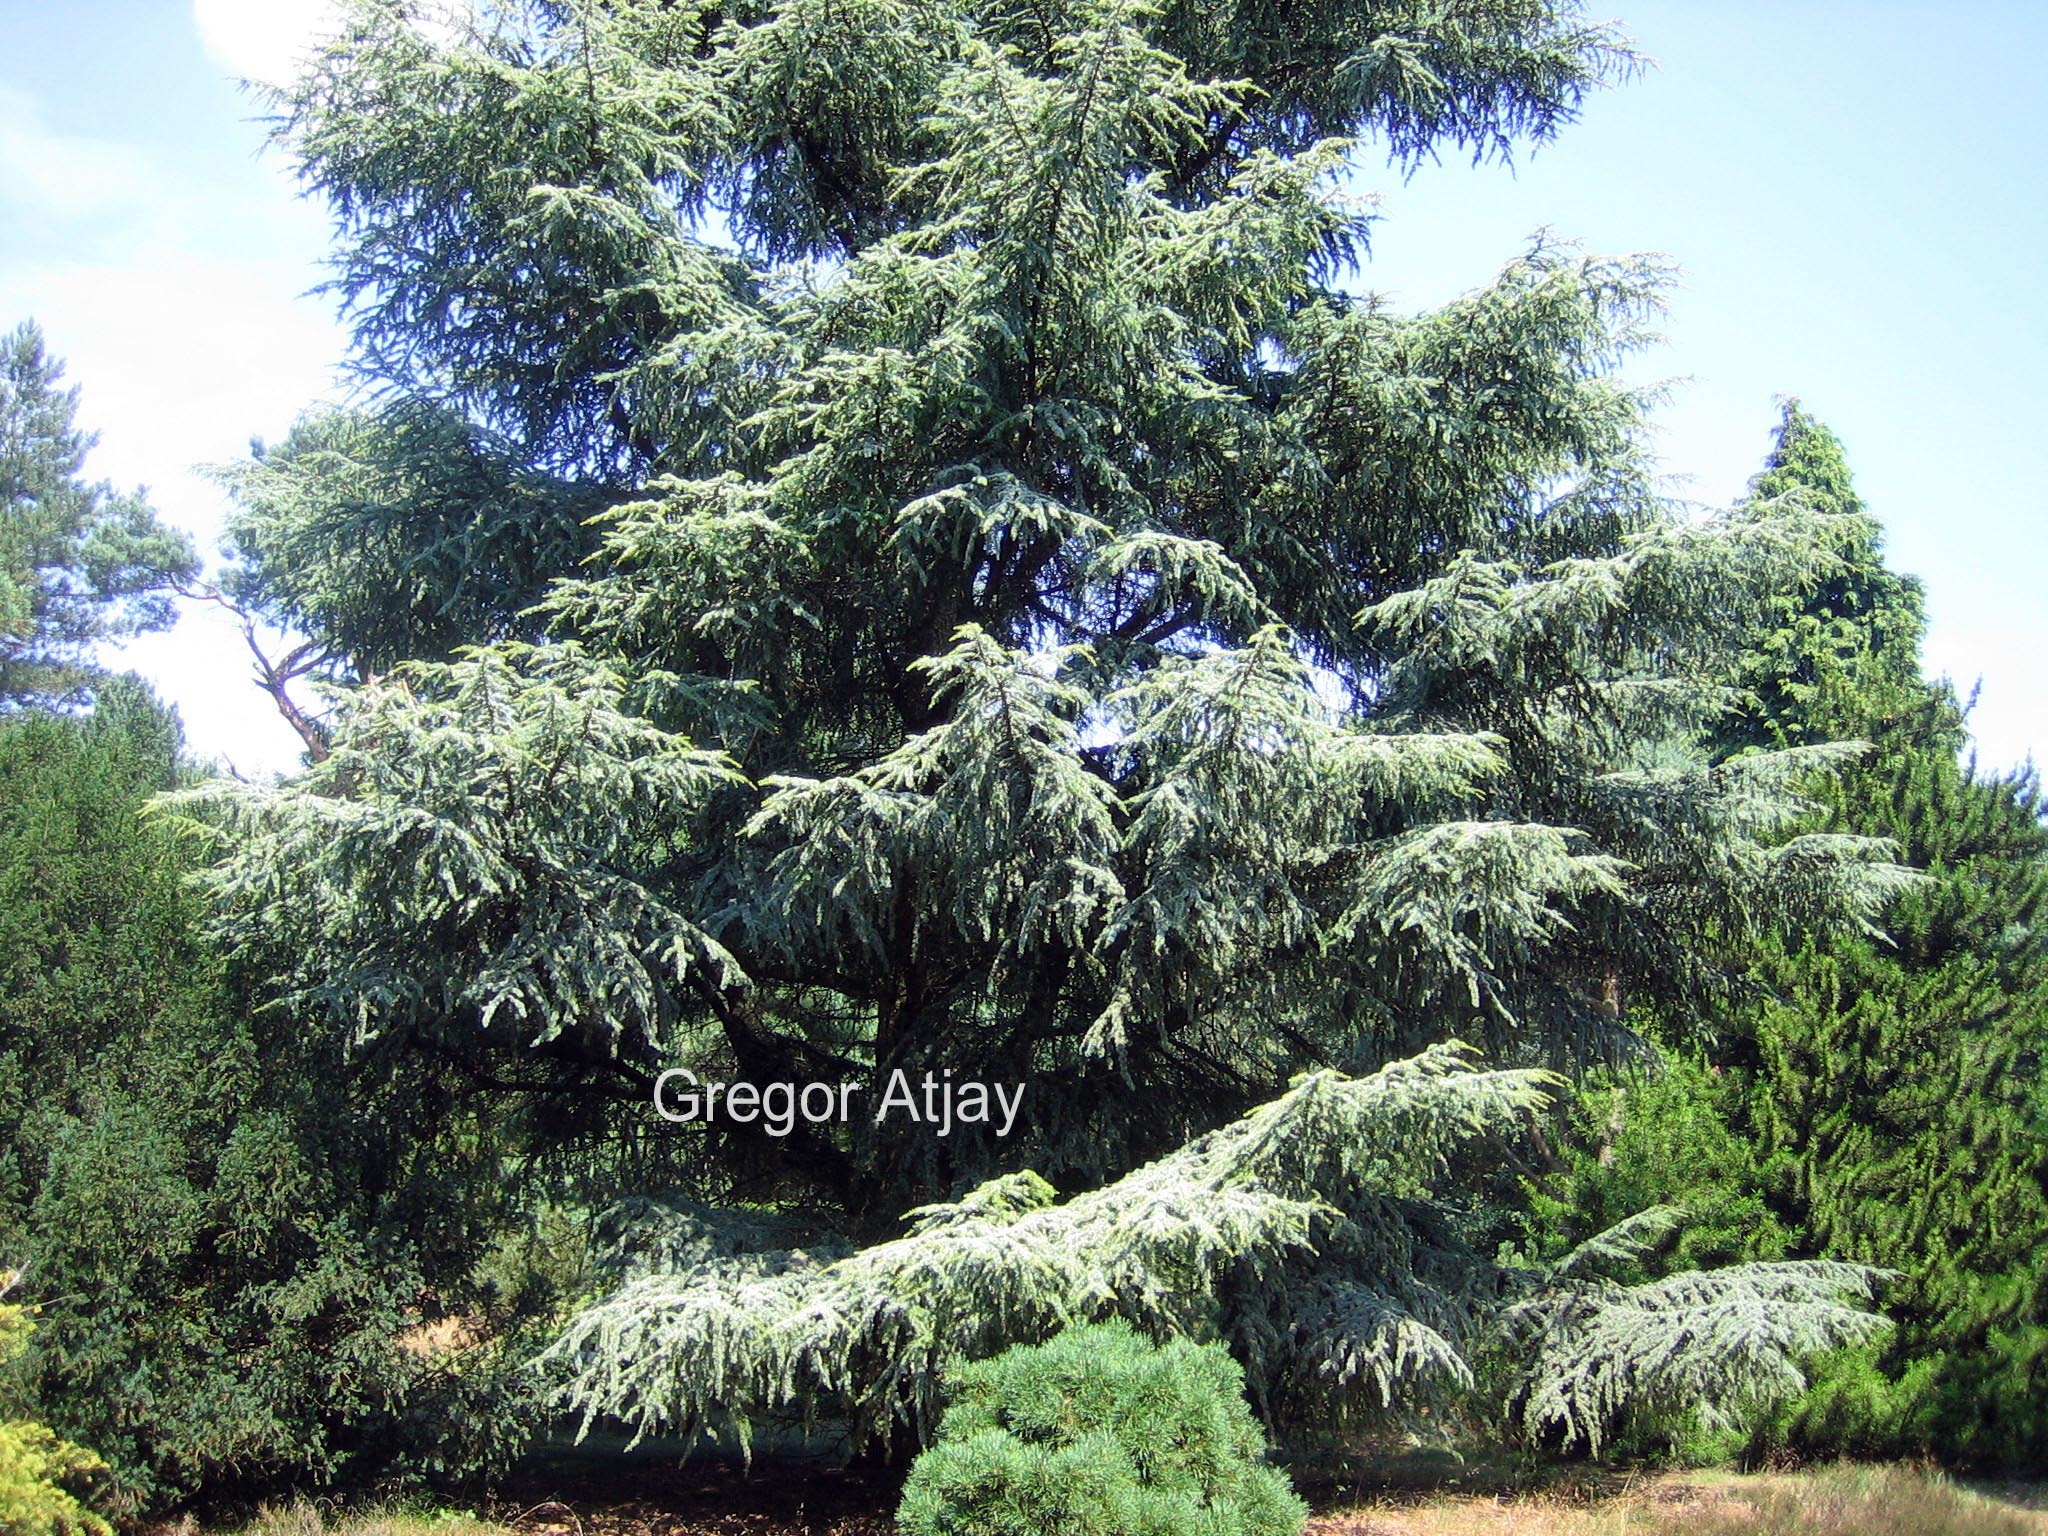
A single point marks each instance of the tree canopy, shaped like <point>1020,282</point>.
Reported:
<point>1050,626</point>
<point>886,540</point>
<point>79,562</point>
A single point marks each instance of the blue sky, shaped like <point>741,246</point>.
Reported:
<point>1853,193</point>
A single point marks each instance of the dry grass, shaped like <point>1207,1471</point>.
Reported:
<point>307,1518</point>
<point>1862,1501</point>
<point>1840,1501</point>
<point>443,1336</point>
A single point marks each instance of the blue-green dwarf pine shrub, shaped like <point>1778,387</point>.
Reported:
<point>1100,1433</point>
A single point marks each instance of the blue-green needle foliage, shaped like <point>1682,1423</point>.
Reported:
<point>1029,618</point>
<point>885,539</point>
<point>1100,1432</point>
<point>1322,1236</point>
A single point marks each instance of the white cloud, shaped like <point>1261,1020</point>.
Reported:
<point>268,40</point>
<point>264,40</point>
<point>180,359</point>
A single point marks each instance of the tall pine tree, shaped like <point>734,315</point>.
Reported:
<point>1898,1081</point>
<point>1884,1090</point>
<point>1839,660</point>
<point>79,563</point>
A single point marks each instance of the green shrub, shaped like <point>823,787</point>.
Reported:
<point>38,1471</point>
<point>1100,1433</point>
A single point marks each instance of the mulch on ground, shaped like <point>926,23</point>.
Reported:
<point>699,1497</point>
<point>813,1496</point>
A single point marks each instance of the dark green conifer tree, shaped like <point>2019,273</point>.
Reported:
<point>1840,660</point>
<point>1899,1097</point>
<point>1899,1083</point>
<point>79,563</point>
<point>226,1231</point>
<point>1883,1094</point>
